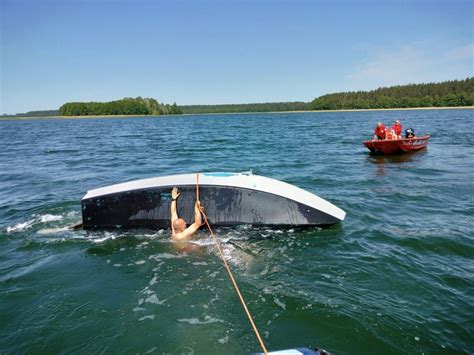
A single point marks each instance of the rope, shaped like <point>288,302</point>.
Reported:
<point>221,254</point>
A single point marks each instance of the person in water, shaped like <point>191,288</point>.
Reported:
<point>380,131</point>
<point>397,130</point>
<point>178,225</point>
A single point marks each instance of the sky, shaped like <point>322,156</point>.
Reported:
<point>216,52</point>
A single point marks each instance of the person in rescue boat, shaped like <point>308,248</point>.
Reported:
<point>409,133</point>
<point>397,129</point>
<point>380,131</point>
<point>178,225</point>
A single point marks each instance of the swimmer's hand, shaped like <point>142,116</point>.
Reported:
<point>199,206</point>
<point>175,193</point>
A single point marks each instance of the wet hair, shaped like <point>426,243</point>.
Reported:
<point>179,225</point>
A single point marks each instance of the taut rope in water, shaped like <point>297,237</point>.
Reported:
<point>221,254</point>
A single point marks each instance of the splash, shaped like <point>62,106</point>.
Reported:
<point>106,237</point>
<point>38,219</point>
<point>21,226</point>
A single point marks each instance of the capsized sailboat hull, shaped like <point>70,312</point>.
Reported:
<point>229,199</point>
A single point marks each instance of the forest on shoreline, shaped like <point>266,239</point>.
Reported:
<point>454,93</point>
<point>242,108</point>
<point>126,106</point>
<point>446,94</point>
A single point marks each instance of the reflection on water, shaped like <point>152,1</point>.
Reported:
<point>396,158</point>
<point>381,161</point>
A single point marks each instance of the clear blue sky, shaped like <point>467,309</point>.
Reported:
<point>210,52</point>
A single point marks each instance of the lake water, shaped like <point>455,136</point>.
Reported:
<point>397,276</point>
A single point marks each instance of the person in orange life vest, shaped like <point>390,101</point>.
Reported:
<point>397,129</point>
<point>380,131</point>
<point>390,134</point>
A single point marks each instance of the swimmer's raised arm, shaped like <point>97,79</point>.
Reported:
<point>178,225</point>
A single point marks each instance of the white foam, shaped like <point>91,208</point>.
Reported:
<point>106,237</point>
<point>155,300</point>
<point>154,280</point>
<point>200,263</point>
<point>47,231</point>
<point>20,226</point>
<point>147,291</point>
<point>157,234</point>
<point>141,245</point>
<point>50,218</point>
<point>160,256</point>
<point>138,309</point>
<point>194,321</point>
<point>223,340</point>
<point>151,316</point>
<point>140,262</point>
<point>45,218</point>
<point>203,242</point>
<point>279,303</point>
<point>213,274</point>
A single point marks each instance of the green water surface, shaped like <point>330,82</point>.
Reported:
<point>395,277</point>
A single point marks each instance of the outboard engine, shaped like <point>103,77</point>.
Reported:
<point>409,133</point>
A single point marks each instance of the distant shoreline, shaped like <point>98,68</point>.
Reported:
<point>242,113</point>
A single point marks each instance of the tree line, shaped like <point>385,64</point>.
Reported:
<point>126,106</point>
<point>448,93</point>
<point>43,113</point>
<point>241,108</point>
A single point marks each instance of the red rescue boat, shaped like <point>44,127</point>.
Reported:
<point>393,146</point>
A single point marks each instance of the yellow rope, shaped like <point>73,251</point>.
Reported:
<point>221,254</point>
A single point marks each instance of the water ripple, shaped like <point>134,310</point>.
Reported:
<point>395,277</point>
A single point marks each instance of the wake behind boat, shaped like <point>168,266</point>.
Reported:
<point>228,198</point>
<point>394,146</point>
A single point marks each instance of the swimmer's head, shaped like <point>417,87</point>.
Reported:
<point>179,225</point>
